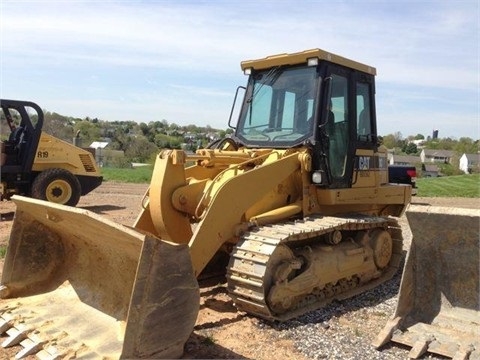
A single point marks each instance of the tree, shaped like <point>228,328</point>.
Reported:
<point>144,128</point>
<point>466,145</point>
<point>447,143</point>
<point>89,131</point>
<point>410,148</point>
<point>139,149</point>
<point>58,125</point>
<point>162,141</point>
<point>388,141</point>
<point>392,141</point>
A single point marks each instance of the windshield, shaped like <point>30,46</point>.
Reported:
<point>279,106</point>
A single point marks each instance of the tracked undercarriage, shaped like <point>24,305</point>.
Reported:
<point>281,271</point>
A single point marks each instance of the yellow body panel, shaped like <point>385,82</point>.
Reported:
<point>248,187</point>
<point>53,152</point>
<point>302,57</point>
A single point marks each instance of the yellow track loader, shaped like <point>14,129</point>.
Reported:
<point>295,209</point>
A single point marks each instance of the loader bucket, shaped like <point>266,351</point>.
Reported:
<point>438,308</point>
<point>77,285</point>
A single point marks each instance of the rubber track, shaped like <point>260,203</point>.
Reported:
<point>250,257</point>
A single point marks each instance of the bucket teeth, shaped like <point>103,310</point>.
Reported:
<point>5,324</point>
<point>49,353</point>
<point>420,347</point>
<point>421,343</point>
<point>465,353</point>
<point>30,347</point>
<point>48,343</point>
<point>22,335</point>
<point>15,336</point>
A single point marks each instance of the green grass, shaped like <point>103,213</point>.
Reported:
<point>447,186</point>
<point>139,175</point>
<point>467,186</point>
<point>208,340</point>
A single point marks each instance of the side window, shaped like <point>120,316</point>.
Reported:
<point>338,126</point>
<point>364,115</point>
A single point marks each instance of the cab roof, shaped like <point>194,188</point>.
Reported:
<point>302,58</point>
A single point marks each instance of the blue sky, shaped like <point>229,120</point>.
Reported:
<point>180,60</point>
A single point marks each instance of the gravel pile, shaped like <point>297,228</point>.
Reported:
<point>344,330</point>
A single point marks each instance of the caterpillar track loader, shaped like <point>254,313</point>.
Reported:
<point>36,164</point>
<point>295,209</point>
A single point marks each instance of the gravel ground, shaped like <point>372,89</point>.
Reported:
<point>341,330</point>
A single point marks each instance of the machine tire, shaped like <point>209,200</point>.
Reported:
<point>58,186</point>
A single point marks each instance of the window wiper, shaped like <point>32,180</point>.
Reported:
<point>270,77</point>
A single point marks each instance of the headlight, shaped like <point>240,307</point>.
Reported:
<point>312,61</point>
<point>317,177</point>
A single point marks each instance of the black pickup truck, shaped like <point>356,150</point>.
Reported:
<point>403,174</point>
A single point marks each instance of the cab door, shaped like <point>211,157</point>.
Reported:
<point>338,126</point>
<point>349,126</point>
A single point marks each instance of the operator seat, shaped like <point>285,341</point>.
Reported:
<point>364,124</point>
<point>15,135</point>
<point>15,145</point>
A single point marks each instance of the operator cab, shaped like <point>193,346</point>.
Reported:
<point>23,121</point>
<point>314,99</point>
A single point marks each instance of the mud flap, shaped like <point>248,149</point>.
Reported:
<point>76,284</point>
<point>438,308</point>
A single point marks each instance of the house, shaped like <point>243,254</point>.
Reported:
<point>403,159</point>
<point>438,156</point>
<point>469,163</point>
<point>430,170</point>
<point>420,143</point>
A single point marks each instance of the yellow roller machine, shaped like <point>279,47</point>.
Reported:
<point>39,165</point>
